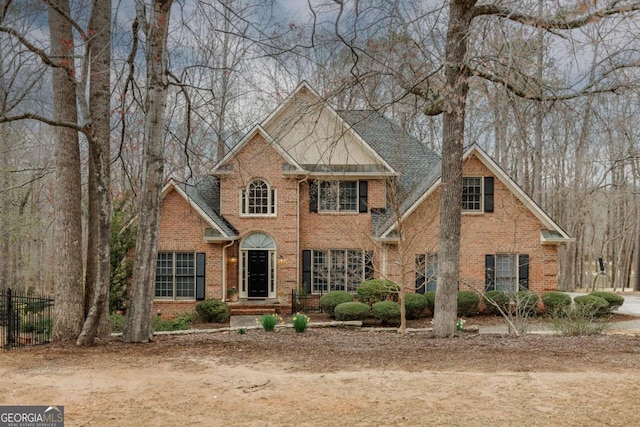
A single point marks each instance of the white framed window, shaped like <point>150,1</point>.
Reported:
<point>338,196</point>
<point>507,272</point>
<point>339,269</point>
<point>176,276</point>
<point>258,199</point>
<point>472,194</point>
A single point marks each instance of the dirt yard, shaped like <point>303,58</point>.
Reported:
<point>333,377</point>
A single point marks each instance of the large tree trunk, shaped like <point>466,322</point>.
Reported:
<point>68,313</point>
<point>138,323</point>
<point>455,96</point>
<point>98,250</point>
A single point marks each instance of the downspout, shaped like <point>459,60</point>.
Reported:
<point>224,270</point>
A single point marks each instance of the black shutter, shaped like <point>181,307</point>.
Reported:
<point>306,269</point>
<point>201,263</point>
<point>362,196</point>
<point>490,272</point>
<point>368,265</point>
<point>523,271</point>
<point>421,271</point>
<point>313,196</point>
<point>488,194</point>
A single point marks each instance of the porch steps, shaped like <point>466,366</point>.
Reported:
<point>257,308</point>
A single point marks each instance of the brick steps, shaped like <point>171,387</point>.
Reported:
<point>249,308</point>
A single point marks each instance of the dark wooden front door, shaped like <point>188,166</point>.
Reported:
<point>258,270</point>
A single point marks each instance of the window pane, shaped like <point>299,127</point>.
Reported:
<point>471,194</point>
<point>164,275</point>
<point>320,272</point>
<point>349,196</point>
<point>431,272</point>
<point>328,196</point>
<point>355,270</point>
<point>258,198</point>
<point>338,270</point>
<point>506,272</point>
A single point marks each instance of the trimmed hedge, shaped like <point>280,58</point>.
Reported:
<point>352,311</point>
<point>373,291</point>
<point>431,300</point>
<point>468,302</point>
<point>500,298</point>
<point>599,305</point>
<point>415,305</point>
<point>388,312</point>
<point>614,300</point>
<point>328,302</point>
<point>213,310</point>
<point>555,302</point>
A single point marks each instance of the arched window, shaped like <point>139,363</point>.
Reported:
<point>258,199</point>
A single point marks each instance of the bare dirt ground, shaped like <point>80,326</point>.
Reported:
<point>333,377</point>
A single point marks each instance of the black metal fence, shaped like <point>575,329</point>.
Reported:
<point>24,319</point>
<point>305,302</point>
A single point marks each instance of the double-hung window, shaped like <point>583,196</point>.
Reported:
<point>338,196</point>
<point>175,275</point>
<point>477,194</point>
<point>507,272</point>
<point>258,199</point>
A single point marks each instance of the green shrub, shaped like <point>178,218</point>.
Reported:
<point>41,325</point>
<point>373,291</point>
<point>328,302</point>
<point>352,311</point>
<point>597,304</point>
<point>527,303</point>
<point>499,298</point>
<point>554,302</point>
<point>160,324</point>
<point>431,300</point>
<point>414,305</point>
<point>614,300</point>
<point>468,302</point>
<point>578,319</point>
<point>388,312</point>
<point>213,310</point>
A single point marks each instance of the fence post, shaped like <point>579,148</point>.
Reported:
<point>10,323</point>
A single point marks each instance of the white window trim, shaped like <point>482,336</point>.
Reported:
<point>476,211</point>
<point>337,210</point>
<point>174,296</point>
<point>243,199</point>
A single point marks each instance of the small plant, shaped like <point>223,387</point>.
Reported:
<point>300,322</point>
<point>213,310</point>
<point>555,302</point>
<point>352,311</point>
<point>116,323</point>
<point>388,312</point>
<point>269,321</point>
<point>415,305</point>
<point>242,331</point>
<point>578,319</point>
<point>376,290</point>
<point>468,302</point>
<point>328,302</point>
<point>526,302</point>
<point>177,324</point>
<point>460,324</point>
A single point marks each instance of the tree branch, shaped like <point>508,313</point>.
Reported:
<point>560,22</point>
<point>46,120</point>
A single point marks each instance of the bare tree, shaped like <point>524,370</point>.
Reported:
<point>156,28</point>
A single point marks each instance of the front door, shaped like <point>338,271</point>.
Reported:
<point>258,274</point>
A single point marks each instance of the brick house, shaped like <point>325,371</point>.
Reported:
<point>323,199</point>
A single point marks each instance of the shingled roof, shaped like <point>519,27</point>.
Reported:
<point>417,165</point>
